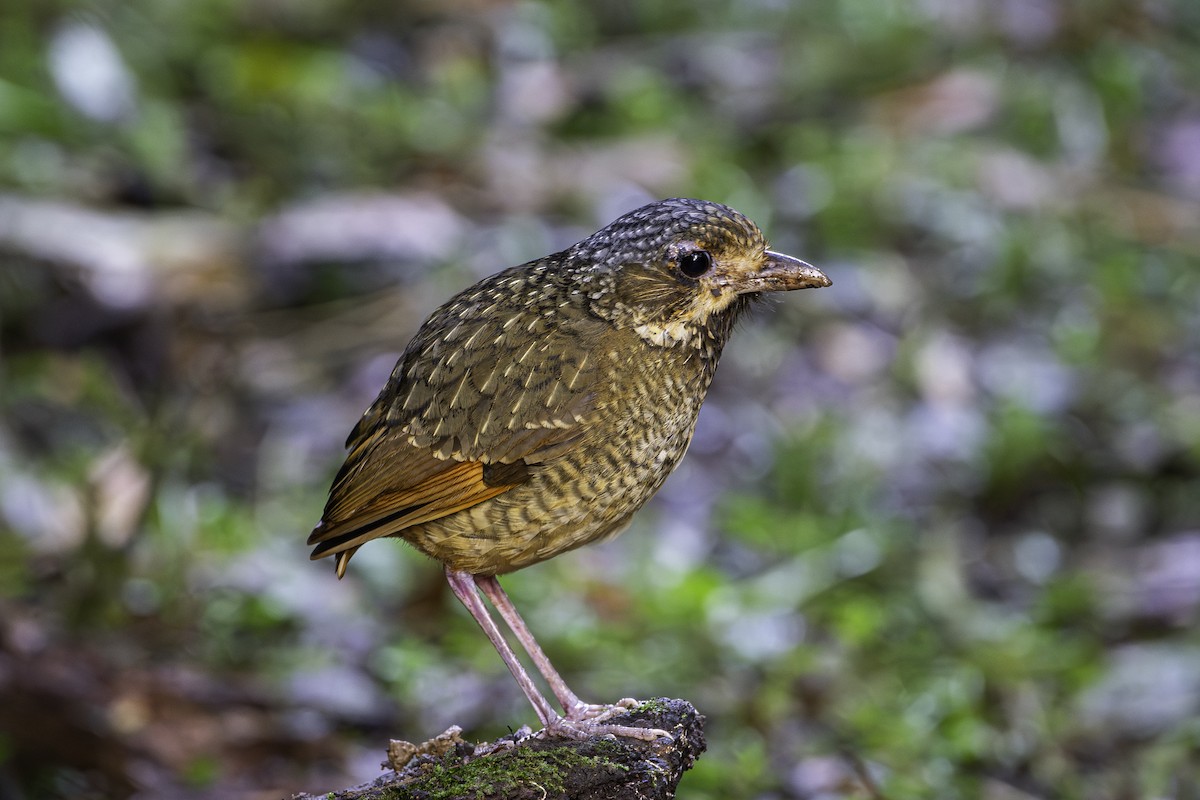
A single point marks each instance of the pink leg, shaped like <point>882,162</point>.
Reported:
<point>583,720</point>
<point>491,587</point>
<point>464,588</point>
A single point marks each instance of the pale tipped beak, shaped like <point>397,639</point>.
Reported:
<point>780,273</point>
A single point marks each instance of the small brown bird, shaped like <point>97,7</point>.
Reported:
<point>536,411</point>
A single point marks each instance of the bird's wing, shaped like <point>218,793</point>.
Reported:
<point>458,425</point>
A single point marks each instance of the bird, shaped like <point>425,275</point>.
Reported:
<point>536,411</point>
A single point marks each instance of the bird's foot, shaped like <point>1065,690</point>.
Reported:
<point>564,728</point>
<point>584,720</point>
<point>596,712</point>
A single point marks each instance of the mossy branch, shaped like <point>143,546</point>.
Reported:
<point>527,767</point>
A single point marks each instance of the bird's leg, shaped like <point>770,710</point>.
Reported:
<point>464,589</point>
<point>463,584</point>
<point>576,709</point>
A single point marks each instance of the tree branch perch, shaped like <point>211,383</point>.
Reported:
<point>526,767</point>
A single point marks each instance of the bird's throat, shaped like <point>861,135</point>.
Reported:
<point>706,331</point>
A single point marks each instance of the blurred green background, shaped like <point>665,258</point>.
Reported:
<point>938,535</point>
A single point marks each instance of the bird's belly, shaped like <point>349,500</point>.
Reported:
<point>586,495</point>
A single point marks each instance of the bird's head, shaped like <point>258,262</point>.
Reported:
<point>678,267</point>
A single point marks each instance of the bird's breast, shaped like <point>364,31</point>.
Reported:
<point>637,435</point>
<point>648,399</point>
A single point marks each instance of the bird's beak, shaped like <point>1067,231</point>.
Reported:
<point>780,273</point>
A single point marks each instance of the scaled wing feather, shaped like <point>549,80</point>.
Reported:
<point>412,462</point>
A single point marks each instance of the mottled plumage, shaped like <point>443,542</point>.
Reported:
<point>537,410</point>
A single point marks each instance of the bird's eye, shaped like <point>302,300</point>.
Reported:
<point>695,263</point>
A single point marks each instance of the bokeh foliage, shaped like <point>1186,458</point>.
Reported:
<point>938,535</point>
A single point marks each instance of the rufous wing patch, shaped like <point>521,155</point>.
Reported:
<point>459,485</point>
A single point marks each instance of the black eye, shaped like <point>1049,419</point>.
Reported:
<point>695,263</point>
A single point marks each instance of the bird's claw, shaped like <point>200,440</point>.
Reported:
<point>564,728</point>
<point>584,720</point>
<point>596,712</point>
